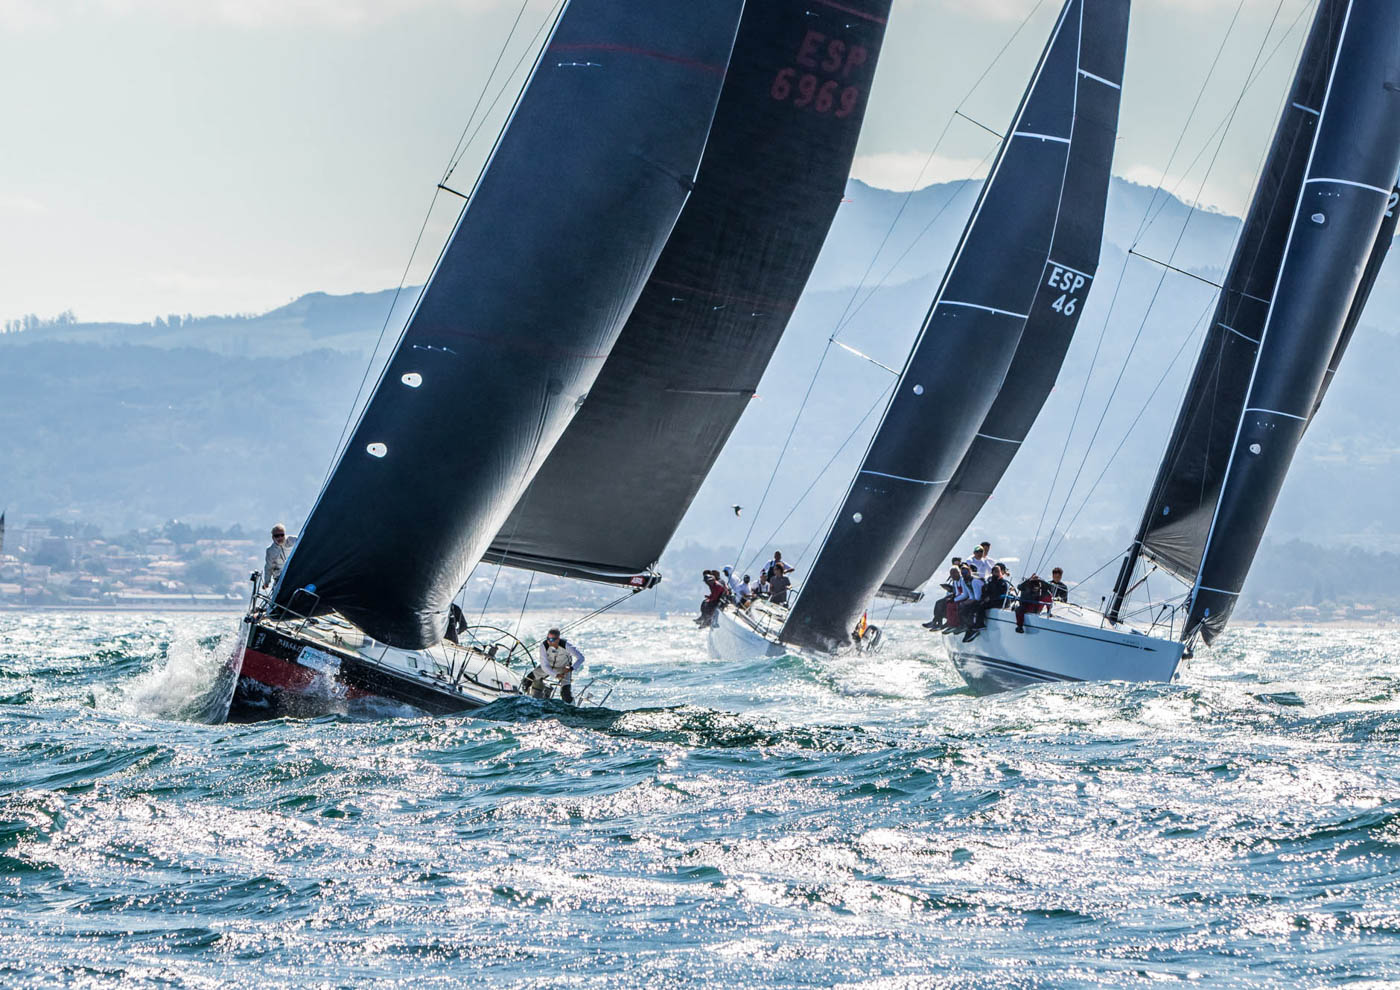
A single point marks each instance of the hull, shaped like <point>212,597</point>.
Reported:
<point>1059,649</point>
<point>748,635</point>
<point>300,668</point>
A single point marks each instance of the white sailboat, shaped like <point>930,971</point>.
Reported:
<point>1318,228</point>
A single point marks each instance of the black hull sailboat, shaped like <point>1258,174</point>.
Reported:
<point>555,245</point>
<point>1319,225</point>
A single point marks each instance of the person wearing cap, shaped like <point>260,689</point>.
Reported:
<point>276,557</point>
<point>716,594</point>
<point>559,659</point>
<point>979,563</point>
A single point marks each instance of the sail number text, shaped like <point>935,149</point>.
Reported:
<point>820,77</point>
<point>1069,283</point>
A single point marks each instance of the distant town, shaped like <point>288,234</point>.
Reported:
<point>56,563</point>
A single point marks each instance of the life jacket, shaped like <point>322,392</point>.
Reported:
<point>557,657</point>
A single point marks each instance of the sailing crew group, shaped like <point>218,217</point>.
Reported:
<point>723,587</point>
<point>976,586</point>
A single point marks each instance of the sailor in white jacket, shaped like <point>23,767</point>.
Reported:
<point>559,659</point>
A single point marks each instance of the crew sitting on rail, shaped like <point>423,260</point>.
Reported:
<point>994,594</point>
<point>276,557</point>
<point>743,593</point>
<point>979,563</point>
<point>559,659</point>
<point>710,605</point>
<point>959,594</point>
<point>1035,594</point>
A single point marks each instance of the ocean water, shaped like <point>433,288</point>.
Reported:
<point>789,823</point>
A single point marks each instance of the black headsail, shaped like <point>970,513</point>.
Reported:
<point>956,368</point>
<point>613,490</point>
<point>1054,315</point>
<point>1294,287</point>
<point>529,295</point>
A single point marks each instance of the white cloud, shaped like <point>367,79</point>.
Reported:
<point>14,205</point>
<point>905,170</point>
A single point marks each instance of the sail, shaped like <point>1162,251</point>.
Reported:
<point>542,270</point>
<point>1358,305</point>
<point>966,345</point>
<point>614,489</point>
<point>1346,193</point>
<point>1040,352</point>
<point>1173,530</point>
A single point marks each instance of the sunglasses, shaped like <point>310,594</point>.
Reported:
<point>279,536</point>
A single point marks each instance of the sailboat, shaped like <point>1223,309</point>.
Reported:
<point>1021,270</point>
<point>1318,227</point>
<point>600,503</point>
<point>554,246</point>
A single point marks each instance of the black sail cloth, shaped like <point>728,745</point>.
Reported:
<point>1045,339</point>
<point>1184,495</point>
<point>546,262</point>
<point>1345,196</point>
<point>614,489</point>
<point>961,357</point>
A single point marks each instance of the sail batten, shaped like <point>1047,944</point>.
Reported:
<point>1045,190</point>
<point>685,367</point>
<point>545,264</point>
<point>1318,229</point>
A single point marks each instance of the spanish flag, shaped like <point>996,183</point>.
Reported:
<point>860,626</point>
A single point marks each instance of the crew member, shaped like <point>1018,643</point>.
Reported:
<point>1058,588</point>
<point>710,605</point>
<point>981,566</point>
<point>559,659</point>
<point>776,566</point>
<point>778,584</point>
<point>276,557</point>
<point>1035,595</point>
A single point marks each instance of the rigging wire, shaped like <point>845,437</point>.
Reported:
<point>1219,54</point>
<point>453,161</point>
<point>842,321</point>
<point>820,474</point>
<point>1069,493</point>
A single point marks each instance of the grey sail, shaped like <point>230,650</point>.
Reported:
<point>965,348</point>
<point>1312,240</point>
<point>1346,193</point>
<point>1040,352</point>
<point>1177,517</point>
<point>613,490</point>
<point>547,260</point>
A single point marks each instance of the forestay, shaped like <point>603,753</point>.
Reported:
<point>1045,338</point>
<point>965,347</point>
<point>1312,243</point>
<point>546,262</point>
<point>1178,514</point>
<point>1346,194</point>
<point>614,489</point>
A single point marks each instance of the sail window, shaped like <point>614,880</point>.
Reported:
<point>412,379</point>
<point>857,518</point>
<point>918,390</point>
<point>1319,218</point>
<point>377,450</point>
<point>1254,448</point>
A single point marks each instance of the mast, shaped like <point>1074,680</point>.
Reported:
<point>1330,242</point>
<point>966,345</point>
<point>1173,529</point>
<point>1345,196</point>
<point>547,260</point>
<point>613,490</point>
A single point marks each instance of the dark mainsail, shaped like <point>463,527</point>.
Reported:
<point>547,260</point>
<point>965,347</point>
<point>1044,341</point>
<point>613,490</point>
<point>1249,403</point>
<point>1174,525</point>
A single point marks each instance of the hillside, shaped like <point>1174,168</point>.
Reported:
<point>232,419</point>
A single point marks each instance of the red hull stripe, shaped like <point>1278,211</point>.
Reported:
<point>283,674</point>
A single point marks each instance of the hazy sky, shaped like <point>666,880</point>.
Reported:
<point>209,156</point>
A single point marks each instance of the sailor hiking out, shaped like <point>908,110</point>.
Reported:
<point>277,553</point>
<point>558,658</point>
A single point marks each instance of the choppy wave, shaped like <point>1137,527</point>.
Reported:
<point>799,822</point>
